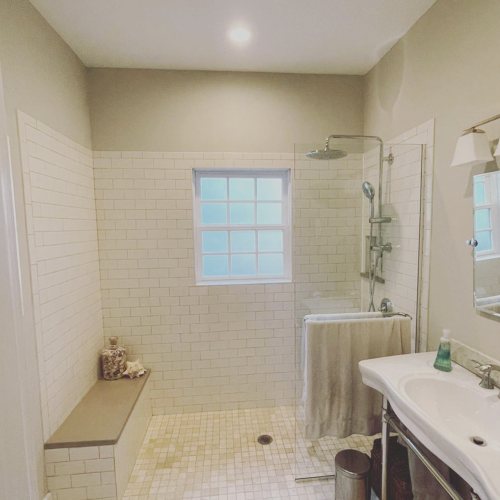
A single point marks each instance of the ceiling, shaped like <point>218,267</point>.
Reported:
<point>288,36</point>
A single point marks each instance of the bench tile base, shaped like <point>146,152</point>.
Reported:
<point>99,472</point>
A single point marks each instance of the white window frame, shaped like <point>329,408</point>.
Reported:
<point>285,226</point>
<point>492,202</point>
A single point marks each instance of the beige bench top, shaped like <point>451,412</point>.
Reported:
<point>100,417</point>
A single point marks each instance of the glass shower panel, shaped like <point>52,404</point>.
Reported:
<point>327,225</point>
<point>331,255</point>
<point>398,270</point>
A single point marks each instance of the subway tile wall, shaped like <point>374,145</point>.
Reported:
<point>213,347</point>
<point>327,219</point>
<point>81,473</point>
<point>401,201</point>
<point>58,181</point>
<point>210,347</point>
<point>411,208</point>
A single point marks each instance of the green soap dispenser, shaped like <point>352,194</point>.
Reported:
<point>443,358</point>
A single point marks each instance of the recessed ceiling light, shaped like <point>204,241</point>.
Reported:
<point>239,35</point>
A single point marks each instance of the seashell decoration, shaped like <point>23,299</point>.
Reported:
<point>114,360</point>
<point>134,369</point>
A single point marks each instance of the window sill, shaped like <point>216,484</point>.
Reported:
<point>244,282</point>
<point>480,258</point>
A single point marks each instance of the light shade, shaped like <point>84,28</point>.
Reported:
<point>497,152</point>
<point>473,148</point>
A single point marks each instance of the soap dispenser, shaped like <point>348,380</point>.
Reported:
<point>443,358</point>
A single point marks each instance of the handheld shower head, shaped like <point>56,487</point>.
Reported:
<point>368,190</point>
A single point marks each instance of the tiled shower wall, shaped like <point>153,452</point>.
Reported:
<point>401,201</point>
<point>327,223</point>
<point>327,219</point>
<point>404,200</point>
<point>210,347</point>
<point>58,181</point>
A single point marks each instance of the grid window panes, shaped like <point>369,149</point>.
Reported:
<point>242,226</point>
<point>484,213</point>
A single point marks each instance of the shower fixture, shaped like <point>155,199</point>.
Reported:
<point>380,249</point>
<point>377,248</point>
<point>369,192</point>
<point>327,153</point>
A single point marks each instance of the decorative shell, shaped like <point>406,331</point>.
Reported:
<point>134,369</point>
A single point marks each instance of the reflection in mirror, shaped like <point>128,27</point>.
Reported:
<point>487,236</point>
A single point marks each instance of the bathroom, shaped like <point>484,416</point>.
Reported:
<point>198,180</point>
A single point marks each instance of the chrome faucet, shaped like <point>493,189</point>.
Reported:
<point>485,370</point>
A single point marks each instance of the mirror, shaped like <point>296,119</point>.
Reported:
<point>487,242</point>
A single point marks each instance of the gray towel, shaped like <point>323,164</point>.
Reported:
<point>336,402</point>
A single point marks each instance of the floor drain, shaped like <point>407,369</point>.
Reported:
<point>478,440</point>
<point>265,439</point>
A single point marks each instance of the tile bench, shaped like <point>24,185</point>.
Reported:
<point>92,454</point>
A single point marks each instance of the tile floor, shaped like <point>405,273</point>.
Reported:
<point>215,456</point>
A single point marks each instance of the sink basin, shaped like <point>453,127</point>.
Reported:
<point>467,412</point>
<point>449,413</point>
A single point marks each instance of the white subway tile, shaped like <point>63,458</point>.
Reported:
<point>84,453</point>
<point>79,480</point>
<point>57,455</point>
<point>100,465</point>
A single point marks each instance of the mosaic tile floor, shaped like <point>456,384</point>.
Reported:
<point>215,456</point>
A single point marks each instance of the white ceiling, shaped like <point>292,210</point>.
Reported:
<point>289,36</point>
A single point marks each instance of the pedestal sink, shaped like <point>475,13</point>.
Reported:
<point>448,412</point>
<point>467,412</point>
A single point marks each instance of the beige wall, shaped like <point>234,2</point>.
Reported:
<point>448,67</point>
<point>61,223</point>
<point>42,77</point>
<point>16,478</point>
<point>150,110</point>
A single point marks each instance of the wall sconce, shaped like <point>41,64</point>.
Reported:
<point>473,147</point>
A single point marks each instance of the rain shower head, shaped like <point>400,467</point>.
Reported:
<point>326,154</point>
<point>368,190</point>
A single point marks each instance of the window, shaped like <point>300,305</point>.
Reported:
<point>486,209</point>
<point>242,226</point>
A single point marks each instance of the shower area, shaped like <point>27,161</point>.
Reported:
<point>357,246</point>
<point>225,359</point>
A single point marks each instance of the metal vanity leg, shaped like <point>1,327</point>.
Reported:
<point>385,448</point>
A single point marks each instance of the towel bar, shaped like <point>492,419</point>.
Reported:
<point>382,315</point>
<point>388,315</point>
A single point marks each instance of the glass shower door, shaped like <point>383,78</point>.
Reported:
<point>398,270</point>
<point>327,226</point>
<point>332,253</point>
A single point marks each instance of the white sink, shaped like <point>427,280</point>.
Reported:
<point>444,411</point>
<point>464,410</point>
